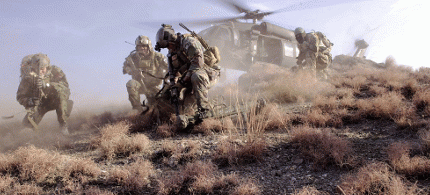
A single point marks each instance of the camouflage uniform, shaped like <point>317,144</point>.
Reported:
<point>315,52</point>
<point>202,76</point>
<point>155,64</point>
<point>51,92</point>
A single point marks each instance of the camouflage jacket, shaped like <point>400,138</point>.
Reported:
<point>56,80</point>
<point>189,56</point>
<point>155,63</point>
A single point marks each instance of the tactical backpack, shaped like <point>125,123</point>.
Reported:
<point>324,57</point>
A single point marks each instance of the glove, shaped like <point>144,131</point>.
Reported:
<point>31,102</point>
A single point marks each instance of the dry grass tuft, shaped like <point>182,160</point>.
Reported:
<point>376,178</point>
<point>421,101</point>
<point>309,190</point>
<point>202,177</point>
<point>97,191</point>
<point>209,126</point>
<point>134,177</point>
<point>115,141</point>
<point>321,145</point>
<point>235,151</point>
<point>399,157</point>
<point>80,169</point>
<point>387,106</point>
<point>425,138</point>
<point>166,130</point>
<point>173,154</point>
<point>249,187</point>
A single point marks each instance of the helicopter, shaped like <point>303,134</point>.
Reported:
<point>242,44</point>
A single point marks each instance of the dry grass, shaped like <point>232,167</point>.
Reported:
<point>421,101</point>
<point>387,106</point>
<point>399,157</point>
<point>249,187</point>
<point>425,138</point>
<point>309,190</point>
<point>208,126</point>
<point>281,85</point>
<point>115,141</point>
<point>166,130</point>
<point>321,145</point>
<point>134,177</point>
<point>376,178</point>
<point>202,177</point>
<point>235,151</point>
<point>173,154</point>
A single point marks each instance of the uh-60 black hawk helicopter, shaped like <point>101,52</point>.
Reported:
<point>241,44</point>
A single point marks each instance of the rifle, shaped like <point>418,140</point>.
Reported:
<point>202,41</point>
<point>37,93</point>
<point>174,92</point>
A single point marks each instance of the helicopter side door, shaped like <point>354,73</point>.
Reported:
<point>290,52</point>
<point>269,49</point>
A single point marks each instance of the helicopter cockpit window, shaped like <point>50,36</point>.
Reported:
<point>289,48</point>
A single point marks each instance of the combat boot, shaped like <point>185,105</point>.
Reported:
<point>203,114</point>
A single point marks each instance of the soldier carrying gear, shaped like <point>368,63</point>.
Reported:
<point>187,67</point>
<point>146,68</point>
<point>314,53</point>
<point>44,89</point>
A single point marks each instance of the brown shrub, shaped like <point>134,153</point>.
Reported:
<point>309,190</point>
<point>202,177</point>
<point>173,154</point>
<point>166,130</point>
<point>321,145</point>
<point>376,178</point>
<point>317,118</point>
<point>274,118</point>
<point>6,183</point>
<point>229,151</point>
<point>115,140</point>
<point>133,177</point>
<point>425,138</point>
<point>228,125</point>
<point>387,106</point>
<point>421,101</point>
<point>31,163</point>
<point>398,155</point>
<point>248,187</point>
<point>96,191</point>
<point>26,189</point>
<point>208,126</point>
<point>79,168</point>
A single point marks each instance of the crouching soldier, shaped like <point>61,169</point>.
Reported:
<point>42,89</point>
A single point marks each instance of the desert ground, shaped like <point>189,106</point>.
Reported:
<point>366,130</point>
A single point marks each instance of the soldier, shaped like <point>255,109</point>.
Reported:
<point>314,50</point>
<point>146,68</point>
<point>187,66</point>
<point>43,89</point>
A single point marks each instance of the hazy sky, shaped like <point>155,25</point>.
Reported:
<point>87,38</point>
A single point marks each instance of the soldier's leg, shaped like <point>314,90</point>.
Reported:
<point>61,107</point>
<point>133,89</point>
<point>35,115</point>
<point>311,62</point>
<point>200,83</point>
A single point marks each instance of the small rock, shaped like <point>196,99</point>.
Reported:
<point>298,161</point>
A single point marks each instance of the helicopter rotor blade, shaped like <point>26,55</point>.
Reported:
<point>235,5</point>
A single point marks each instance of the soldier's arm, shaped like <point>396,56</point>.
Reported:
<point>126,68</point>
<point>162,63</point>
<point>195,55</point>
<point>312,44</point>
<point>59,77</point>
<point>25,90</point>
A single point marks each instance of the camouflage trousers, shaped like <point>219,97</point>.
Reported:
<point>201,83</point>
<point>57,98</point>
<point>136,88</point>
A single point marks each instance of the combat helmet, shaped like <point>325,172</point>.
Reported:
<point>143,40</point>
<point>299,30</point>
<point>40,61</point>
<point>165,35</point>
<point>26,64</point>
